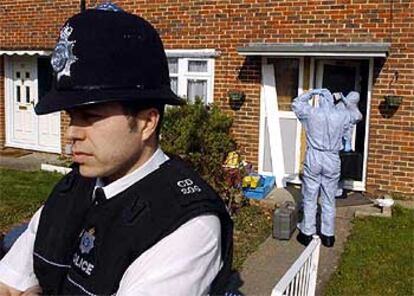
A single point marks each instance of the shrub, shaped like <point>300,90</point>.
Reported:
<point>201,135</point>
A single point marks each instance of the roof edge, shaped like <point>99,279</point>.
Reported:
<point>347,49</point>
<point>26,52</point>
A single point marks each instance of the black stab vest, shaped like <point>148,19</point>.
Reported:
<point>83,248</point>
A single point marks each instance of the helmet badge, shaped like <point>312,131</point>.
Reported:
<point>108,6</point>
<point>63,57</point>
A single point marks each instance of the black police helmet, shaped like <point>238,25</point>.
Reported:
<point>107,55</point>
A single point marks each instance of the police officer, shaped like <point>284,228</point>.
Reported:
<point>128,219</point>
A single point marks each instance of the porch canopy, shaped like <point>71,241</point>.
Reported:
<point>316,49</point>
<point>26,52</point>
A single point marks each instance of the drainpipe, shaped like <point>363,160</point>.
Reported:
<point>82,6</point>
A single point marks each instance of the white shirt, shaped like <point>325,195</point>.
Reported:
<point>182,263</point>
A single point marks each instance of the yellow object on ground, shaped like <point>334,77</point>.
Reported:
<point>246,181</point>
<point>232,159</point>
<point>255,180</point>
<point>251,181</point>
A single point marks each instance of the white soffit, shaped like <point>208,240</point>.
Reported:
<point>26,52</point>
<point>192,53</point>
<point>316,49</point>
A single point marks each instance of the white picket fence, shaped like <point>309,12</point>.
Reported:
<point>300,279</point>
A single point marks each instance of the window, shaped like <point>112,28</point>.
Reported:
<point>173,68</point>
<point>192,77</point>
<point>286,75</point>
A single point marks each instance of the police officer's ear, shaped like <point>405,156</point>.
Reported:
<point>148,120</point>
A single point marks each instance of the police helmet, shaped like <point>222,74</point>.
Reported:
<point>106,54</point>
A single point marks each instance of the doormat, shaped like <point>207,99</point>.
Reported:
<point>11,152</point>
<point>353,199</point>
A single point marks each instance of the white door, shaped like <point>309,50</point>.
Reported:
<point>24,128</point>
<point>49,132</point>
<point>24,121</point>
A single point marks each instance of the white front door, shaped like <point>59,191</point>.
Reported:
<point>22,100</point>
<point>24,128</point>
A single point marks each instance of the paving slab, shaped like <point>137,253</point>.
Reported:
<point>29,162</point>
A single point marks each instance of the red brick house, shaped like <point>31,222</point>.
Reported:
<point>270,51</point>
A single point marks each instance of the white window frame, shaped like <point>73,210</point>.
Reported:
<point>276,148</point>
<point>183,75</point>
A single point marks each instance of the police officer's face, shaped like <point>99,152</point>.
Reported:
<point>104,145</point>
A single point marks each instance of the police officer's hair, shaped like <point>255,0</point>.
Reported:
<point>131,110</point>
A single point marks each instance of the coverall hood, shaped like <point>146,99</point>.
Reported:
<point>352,98</point>
<point>326,99</point>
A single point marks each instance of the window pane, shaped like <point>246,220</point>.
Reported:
<point>174,84</point>
<point>197,66</point>
<point>173,65</point>
<point>27,75</point>
<point>17,74</point>
<point>27,94</point>
<point>18,94</point>
<point>197,89</point>
<point>287,76</point>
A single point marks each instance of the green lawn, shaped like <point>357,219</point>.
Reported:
<point>378,257</point>
<point>21,193</point>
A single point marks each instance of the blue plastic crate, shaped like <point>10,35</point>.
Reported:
<point>262,191</point>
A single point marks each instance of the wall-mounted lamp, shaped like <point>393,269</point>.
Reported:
<point>236,95</point>
<point>236,99</point>
<point>393,100</point>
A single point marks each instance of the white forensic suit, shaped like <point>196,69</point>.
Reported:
<point>325,127</point>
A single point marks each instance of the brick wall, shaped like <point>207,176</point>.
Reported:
<point>33,24</point>
<point>225,25</point>
<point>391,152</point>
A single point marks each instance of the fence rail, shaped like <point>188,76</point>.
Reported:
<point>300,279</point>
